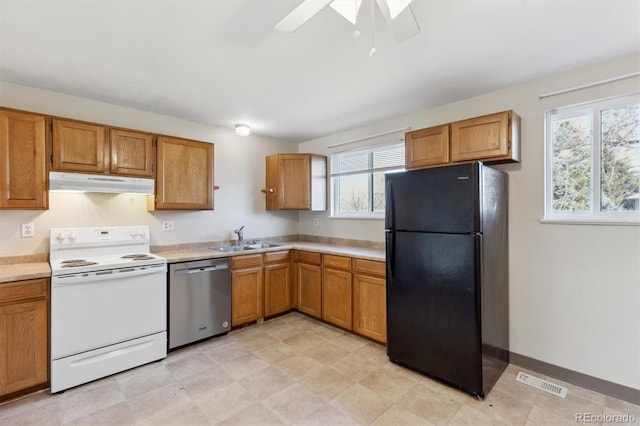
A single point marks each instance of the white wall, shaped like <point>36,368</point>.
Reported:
<point>574,289</point>
<point>238,170</point>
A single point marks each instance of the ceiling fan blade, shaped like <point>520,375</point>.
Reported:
<point>404,26</point>
<point>301,14</point>
<point>347,8</point>
<point>397,6</point>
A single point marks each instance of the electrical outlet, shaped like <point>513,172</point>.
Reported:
<point>168,225</point>
<point>27,230</point>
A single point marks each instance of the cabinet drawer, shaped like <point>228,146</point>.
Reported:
<point>309,257</point>
<point>245,261</point>
<point>22,290</point>
<point>276,256</point>
<point>370,267</point>
<point>339,262</point>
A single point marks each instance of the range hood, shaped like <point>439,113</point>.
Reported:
<point>64,181</point>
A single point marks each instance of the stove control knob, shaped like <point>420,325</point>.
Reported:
<point>141,233</point>
<point>133,233</point>
<point>71,236</point>
<point>60,237</point>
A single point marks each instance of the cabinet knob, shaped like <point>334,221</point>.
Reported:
<point>269,191</point>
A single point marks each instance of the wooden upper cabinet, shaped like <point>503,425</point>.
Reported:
<point>78,146</point>
<point>427,147</point>
<point>93,148</point>
<point>131,153</point>
<point>184,179</point>
<point>490,138</point>
<point>23,169</point>
<point>296,182</point>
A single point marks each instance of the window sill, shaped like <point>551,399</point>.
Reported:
<point>591,221</point>
<point>359,217</point>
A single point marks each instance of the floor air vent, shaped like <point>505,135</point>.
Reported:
<point>542,384</point>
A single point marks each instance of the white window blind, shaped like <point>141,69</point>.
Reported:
<point>357,180</point>
<point>379,159</point>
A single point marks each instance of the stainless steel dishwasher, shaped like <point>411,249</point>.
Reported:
<point>199,300</point>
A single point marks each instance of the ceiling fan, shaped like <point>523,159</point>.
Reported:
<point>396,13</point>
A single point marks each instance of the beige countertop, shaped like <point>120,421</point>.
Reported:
<point>31,270</point>
<point>24,271</point>
<point>200,253</point>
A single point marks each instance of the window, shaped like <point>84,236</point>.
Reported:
<point>593,161</point>
<point>357,180</point>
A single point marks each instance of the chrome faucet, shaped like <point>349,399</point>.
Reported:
<point>240,235</point>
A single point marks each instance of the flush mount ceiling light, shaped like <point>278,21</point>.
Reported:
<point>243,129</point>
<point>396,13</point>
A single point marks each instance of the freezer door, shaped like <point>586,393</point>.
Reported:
<point>433,318</point>
<point>441,199</point>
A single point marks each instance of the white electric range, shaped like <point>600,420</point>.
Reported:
<point>108,303</point>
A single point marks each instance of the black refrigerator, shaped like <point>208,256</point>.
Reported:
<point>447,274</point>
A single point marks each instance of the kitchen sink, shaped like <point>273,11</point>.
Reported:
<point>244,247</point>
<point>234,248</point>
<point>262,245</point>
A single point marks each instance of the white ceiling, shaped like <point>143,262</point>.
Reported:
<point>221,62</point>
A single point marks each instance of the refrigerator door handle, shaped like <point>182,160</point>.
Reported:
<point>391,254</point>
<point>389,216</point>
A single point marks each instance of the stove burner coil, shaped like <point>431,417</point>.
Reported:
<point>137,256</point>
<point>69,264</point>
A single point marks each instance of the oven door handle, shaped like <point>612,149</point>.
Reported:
<point>112,274</point>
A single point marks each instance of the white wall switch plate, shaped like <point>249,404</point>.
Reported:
<point>168,225</point>
<point>27,230</point>
<point>316,222</point>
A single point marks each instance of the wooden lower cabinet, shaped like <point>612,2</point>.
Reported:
<point>370,306</point>
<point>260,286</point>
<point>309,275</point>
<point>277,283</point>
<point>247,290</point>
<point>336,290</point>
<point>24,336</point>
<point>347,292</point>
<point>336,297</point>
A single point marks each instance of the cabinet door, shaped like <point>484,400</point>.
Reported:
<point>131,153</point>
<point>336,297</point>
<point>23,346</point>
<point>277,288</point>
<point>78,147</point>
<point>246,295</point>
<point>370,307</point>
<point>310,289</point>
<point>427,147</point>
<point>294,187</point>
<point>23,169</point>
<point>480,138</point>
<point>185,175</point>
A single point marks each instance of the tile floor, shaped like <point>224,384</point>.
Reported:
<point>294,370</point>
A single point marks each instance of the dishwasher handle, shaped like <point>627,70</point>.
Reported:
<point>201,269</point>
